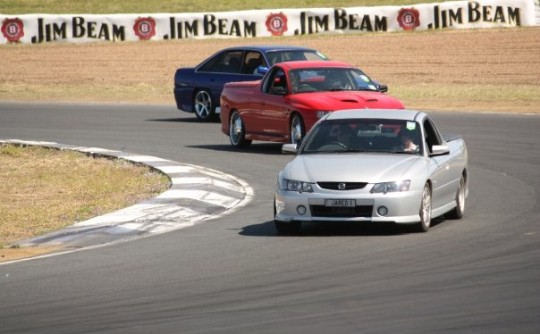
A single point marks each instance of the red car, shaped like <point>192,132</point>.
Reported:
<point>292,96</point>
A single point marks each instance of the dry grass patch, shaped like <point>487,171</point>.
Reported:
<point>42,190</point>
<point>484,69</point>
<point>133,93</point>
<point>492,98</point>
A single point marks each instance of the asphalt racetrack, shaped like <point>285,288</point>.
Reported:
<point>234,274</point>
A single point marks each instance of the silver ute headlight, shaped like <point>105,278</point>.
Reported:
<point>294,185</point>
<point>390,187</point>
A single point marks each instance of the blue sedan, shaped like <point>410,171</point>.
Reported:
<point>198,89</point>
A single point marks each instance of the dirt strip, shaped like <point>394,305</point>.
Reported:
<point>477,70</point>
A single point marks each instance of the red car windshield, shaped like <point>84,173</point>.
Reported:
<point>330,79</point>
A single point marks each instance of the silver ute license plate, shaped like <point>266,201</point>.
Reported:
<point>340,203</point>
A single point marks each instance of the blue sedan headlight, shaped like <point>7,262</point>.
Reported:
<point>295,185</point>
<point>389,187</point>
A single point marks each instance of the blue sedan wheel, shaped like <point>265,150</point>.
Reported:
<point>202,103</point>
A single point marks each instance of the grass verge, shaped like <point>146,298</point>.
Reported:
<point>43,190</point>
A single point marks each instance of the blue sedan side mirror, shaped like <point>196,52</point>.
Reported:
<point>262,70</point>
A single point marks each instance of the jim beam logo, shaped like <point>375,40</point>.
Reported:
<point>145,28</point>
<point>276,24</point>
<point>408,18</point>
<point>13,30</point>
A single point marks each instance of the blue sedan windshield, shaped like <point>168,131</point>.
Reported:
<point>294,55</point>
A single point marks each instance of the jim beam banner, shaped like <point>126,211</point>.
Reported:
<point>44,28</point>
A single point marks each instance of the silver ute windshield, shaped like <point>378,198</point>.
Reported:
<point>364,135</point>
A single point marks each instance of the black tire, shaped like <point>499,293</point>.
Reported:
<point>203,107</point>
<point>459,210</point>
<point>297,130</point>
<point>425,210</point>
<point>237,131</point>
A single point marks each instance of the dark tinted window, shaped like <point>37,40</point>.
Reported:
<point>252,61</point>
<point>228,61</point>
<point>276,82</point>
<point>432,135</point>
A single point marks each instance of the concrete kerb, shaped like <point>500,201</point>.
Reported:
<point>196,194</point>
